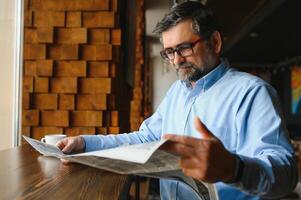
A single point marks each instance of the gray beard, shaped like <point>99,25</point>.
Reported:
<point>195,74</point>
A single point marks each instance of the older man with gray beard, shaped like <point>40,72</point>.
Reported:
<point>226,125</point>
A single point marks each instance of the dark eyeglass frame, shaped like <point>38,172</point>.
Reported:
<point>181,47</point>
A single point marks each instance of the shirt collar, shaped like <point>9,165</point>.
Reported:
<point>212,77</point>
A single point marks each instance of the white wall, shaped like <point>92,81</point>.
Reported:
<point>7,27</point>
<point>163,75</point>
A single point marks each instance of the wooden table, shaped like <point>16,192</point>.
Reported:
<point>25,174</point>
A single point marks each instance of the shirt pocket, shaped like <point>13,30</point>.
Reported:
<point>226,136</point>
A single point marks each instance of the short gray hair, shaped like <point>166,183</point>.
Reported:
<point>203,20</point>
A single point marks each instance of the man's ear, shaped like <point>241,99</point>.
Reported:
<point>217,42</point>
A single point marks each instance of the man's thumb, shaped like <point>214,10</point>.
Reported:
<point>202,129</point>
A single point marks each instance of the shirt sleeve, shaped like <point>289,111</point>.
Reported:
<point>263,144</point>
<point>150,130</point>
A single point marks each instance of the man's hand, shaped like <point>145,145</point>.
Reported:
<point>71,144</point>
<point>205,159</point>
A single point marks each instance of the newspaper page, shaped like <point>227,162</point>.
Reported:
<point>159,162</point>
<point>155,164</point>
<point>45,149</point>
<point>138,153</point>
<point>154,161</point>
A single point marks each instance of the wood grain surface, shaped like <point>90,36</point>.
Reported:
<point>25,174</point>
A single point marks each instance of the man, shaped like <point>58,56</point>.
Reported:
<point>226,125</point>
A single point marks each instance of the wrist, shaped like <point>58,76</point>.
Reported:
<point>238,171</point>
<point>82,144</point>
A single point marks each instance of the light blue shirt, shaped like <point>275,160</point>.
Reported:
<point>243,112</point>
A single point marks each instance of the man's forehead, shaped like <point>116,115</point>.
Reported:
<point>180,33</point>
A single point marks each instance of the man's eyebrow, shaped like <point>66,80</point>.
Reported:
<point>187,42</point>
<point>183,43</point>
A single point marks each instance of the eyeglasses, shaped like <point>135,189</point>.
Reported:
<point>183,50</point>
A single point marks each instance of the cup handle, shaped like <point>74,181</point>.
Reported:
<point>43,140</point>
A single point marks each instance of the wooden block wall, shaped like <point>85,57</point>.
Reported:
<point>141,101</point>
<point>70,66</point>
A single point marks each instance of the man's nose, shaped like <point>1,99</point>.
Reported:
<point>177,58</point>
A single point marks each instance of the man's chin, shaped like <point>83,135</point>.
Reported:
<point>189,77</point>
<point>184,70</point>
<point>183,77</point>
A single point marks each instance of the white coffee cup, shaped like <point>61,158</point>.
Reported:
<point>52,139</point>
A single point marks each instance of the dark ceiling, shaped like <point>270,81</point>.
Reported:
<point>256,31</point>
<point>261,31</point>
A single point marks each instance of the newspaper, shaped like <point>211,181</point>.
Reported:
<point>140,159</point>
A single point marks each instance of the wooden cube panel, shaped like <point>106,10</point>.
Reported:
<point>114,5</point>
<point>116,37</point>
<point>66,102</point>
<point>30,68</point>
<point>26,4</point>
<point>73,19</point>
<point>93,5</point>
<point>102,130</point>
<point>45,34</point>
<point>98,69</point>
<point>45,101</point>
<point>86,118</point>
<point>44,67</point>
<point>28,18</point>
<point>34,51</point>
<point>64,85</point>
<point>27,84</point>
<point>88,52</point>
<point>25,131</point>
<point>99,19</point>
<point>111,118</point>
<point>113,70</point>
<point>113,130</point>
<point>30,117</point>
<point>96,52</point>
<point>99,36</point>
<point>75,131</point>
<point>52,18</point>
<point>39,132</point>
<point>55,118</point>
<point>70,69</point>
<point>91,102</point>
<point>70,5</point>
<point>95,85</point>
<point>30,36</point>
<point>104,52</point>
<point>67,48</point>
<point>41,85</point>
<point>71,35</point>
<point>63,52</point>
<point>25,101</point>
<point>114,118</point>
